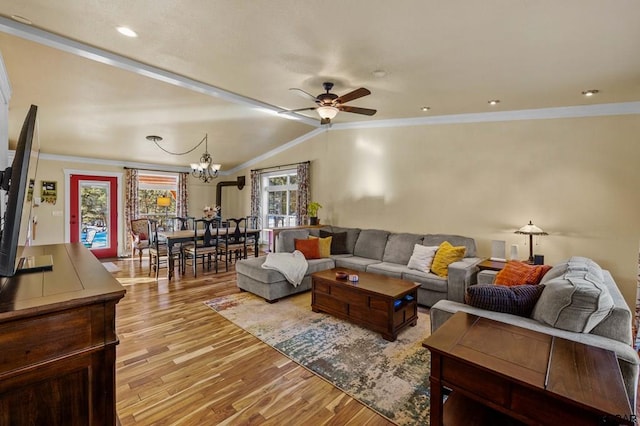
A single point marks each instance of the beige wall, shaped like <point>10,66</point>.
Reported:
<point>576,178</point>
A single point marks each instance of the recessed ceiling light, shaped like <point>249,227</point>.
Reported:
<point>425,108</point>
<point>379,73</point>
<point>590,92</point>
<point>494,101</point>
<point>127,32</point>
<point>22,19</point>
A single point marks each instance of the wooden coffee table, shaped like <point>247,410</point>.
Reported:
<point>370,302</point>
<point>499,372</point>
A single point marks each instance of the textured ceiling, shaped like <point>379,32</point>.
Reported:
<point>100,93</point>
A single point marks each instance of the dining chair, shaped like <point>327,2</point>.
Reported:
<point>139,230</point>
<point>252,223</point>
<point>235,243</point>
<point>158,251</point>
<point>205,245</point>
<point>183,223</point>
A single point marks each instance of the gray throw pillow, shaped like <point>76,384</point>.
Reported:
<point>577,300</point>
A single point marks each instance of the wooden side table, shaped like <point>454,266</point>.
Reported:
<point>509,372</point>
<point>491,265</point>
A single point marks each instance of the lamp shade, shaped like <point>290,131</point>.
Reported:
<point>327,112</point>
<point>530,229</point>
<point>163,201</point>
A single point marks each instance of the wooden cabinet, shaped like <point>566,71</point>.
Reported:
<point>504,374</point>
<point>58,342</point>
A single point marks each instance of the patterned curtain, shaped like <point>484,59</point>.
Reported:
<point>131,203</point>
<point>183,195</point>
<point>256,196</point>
<point>303,192</point>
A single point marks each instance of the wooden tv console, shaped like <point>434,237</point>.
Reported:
<point>58,341</point>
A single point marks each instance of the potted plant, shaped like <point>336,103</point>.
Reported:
<point>312,211</point>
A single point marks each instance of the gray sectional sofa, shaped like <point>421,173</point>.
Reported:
<point>369,250</point>
<point>580,302</point>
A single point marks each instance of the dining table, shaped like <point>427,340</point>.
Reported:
<point>182,236</point>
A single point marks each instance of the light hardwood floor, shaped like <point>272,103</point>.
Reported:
<point>179,362</point>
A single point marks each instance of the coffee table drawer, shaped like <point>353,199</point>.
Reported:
<point>325,301</point>
<point>365,315</point>
<point>349,295</point>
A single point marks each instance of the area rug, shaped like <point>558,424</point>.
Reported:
<point>391,378</point>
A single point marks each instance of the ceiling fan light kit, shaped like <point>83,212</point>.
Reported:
<point>329,104</point>
<point>327,112</point>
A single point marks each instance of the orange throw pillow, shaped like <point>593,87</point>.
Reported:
<point>310,248</point>
<point>518,273</point>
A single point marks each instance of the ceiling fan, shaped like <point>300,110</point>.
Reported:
<point>329,104</point>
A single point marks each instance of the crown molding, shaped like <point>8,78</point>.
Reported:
<point>623,108</point>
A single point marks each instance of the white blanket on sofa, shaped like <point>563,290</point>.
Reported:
<point>292,265</point>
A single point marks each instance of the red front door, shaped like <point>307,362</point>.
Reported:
<point>94,213</point>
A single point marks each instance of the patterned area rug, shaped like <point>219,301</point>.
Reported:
<point>392,378</point>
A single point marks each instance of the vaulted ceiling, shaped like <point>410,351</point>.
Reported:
<point>224,68</point>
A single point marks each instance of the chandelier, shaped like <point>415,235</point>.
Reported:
<point>205,170</point>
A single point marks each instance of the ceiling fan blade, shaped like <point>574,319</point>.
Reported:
<point>358,93</point>
<point>304,94</point>
<point>357,110</point>
<point>325,121</point>
<point>297,110</point>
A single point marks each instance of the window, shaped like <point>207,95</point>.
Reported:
<point>154,185</point>
<point>279,199</point>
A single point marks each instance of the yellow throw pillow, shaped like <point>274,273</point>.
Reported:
<point>446,255</point>
<point>324,244</point>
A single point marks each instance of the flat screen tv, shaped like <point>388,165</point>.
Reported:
<point>19,182</point>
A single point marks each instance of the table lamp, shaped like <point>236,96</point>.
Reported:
<point>530,229</point>
<point>164,202</point>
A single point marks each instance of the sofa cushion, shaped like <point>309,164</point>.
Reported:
<point>455,240</point>
<point>338,241</point>
<point>252,267</point>
<point>285,243</point>
<point>517,273</point>
<point>422,257</point>
<point>387,268</point>
<point>371,244</point>
<point>400,247</point>
<point>516,300</point>
<point>446,255</point>
<point>576,301</point>
<point>317,265</point>
<point>427,280</point>
<point>354,262</point>
<point>352,236</point>
<point>324,245</point>
<point>309,248</point>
